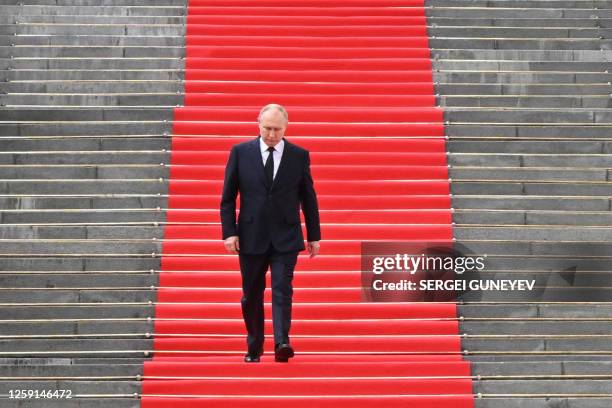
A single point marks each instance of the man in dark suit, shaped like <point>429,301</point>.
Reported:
<point>273,178</point>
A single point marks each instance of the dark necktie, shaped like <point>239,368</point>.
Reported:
<point>269,167</point>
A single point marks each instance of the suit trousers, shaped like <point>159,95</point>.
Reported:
<point>253,269</point>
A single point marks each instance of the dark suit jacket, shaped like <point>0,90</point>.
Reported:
<point>269,214</point>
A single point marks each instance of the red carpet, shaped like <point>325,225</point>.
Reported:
<point>355,76</point>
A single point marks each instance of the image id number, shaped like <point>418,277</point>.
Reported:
<point>49,394</point>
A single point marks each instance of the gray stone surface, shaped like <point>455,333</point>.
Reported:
<point>131,57</point>
<point>535,68</point>
<point>494,93</point>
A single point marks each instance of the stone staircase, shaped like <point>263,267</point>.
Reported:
<point>84,139</point>
<point>84,148</point>
<point>526,90</point>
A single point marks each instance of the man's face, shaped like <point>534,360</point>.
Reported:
<point>272,127</point>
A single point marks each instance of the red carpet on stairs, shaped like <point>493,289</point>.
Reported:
<point>355,76</point>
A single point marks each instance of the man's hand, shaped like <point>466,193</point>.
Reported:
<point>313,248</point>
<point>231,244</point>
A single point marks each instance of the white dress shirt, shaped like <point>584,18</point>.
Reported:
<point>278,153</point>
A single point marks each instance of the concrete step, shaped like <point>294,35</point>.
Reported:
<point>495,261</point>
<point>74,187</point>
<point>538,358</point>
<point>155,186</point>
<point>549,147</point>
<point>552,4</point>
<point>544,204</point>
<point>81,100</point>
<point>151,157</point>
<point>126,402</point>
<point>510,367</point>
<point>531,65</point>
<point>434,30</point>
<point>53,281</point>
<point>543,311</point>
<point>45,4</point>
<point>532,327</point>
<point>153,4</point>
<point>515,12</point>
<point>546,59</point>
<point>559,387</point>
<point>92,19</point>
<point>519,44</point>
<point>484,310</point>
<point>433,12</point>
<point>461,173</point>
<point>95,75</point>
<point>71,361</point>
<point>82,263</point>
<point>507,31</point>
<point>78,280</point>
<point>553,264</point>
<point>91,63</point>
<point>51,8</point>
<point>123,87</point>
<point>584,367</point>
<point>76,327</point>
<point>545,290</point>
<point>138,245</point>
<point>594,344</point>
<point>478,75</point>
<point>522,233</point>
<point>77,387</point>
<point>86,40</point>
<point>120,85</point>
<point>535,402</point>
<point>156,51</point>
<point>531,132</point>
<point>580,39</point>
<point>85,247</point>
<point>490,21</point>
<point>84,128</point>
<point>129,200</point>
<point>557,101</point>
<point>80,296</point>
<point>518,216</point>
<point>119,311</point>
<point>84,114</point>
<point>117,263</point>
<point>85,29</point>
<point>91,171</point>
<point>574,161</point>
<point>511,89</point>
<point>603,189</point>
<point>81,172</point>
<point>86,370</point>
<point>598,117</point>
<point>75,172</point>
<point>565,293</point>
<point>536,248</point>
<point>526,115</point>
<point>89,95</point>
<point>127,142</point>
<point>175,15</point>
<point>113,215</point>
<point>16,232</point>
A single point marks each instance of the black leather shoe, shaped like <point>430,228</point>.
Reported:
<point>283,352</point>
<point>250,358</point>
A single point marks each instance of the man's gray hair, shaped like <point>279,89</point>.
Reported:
<point>276,106</point>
